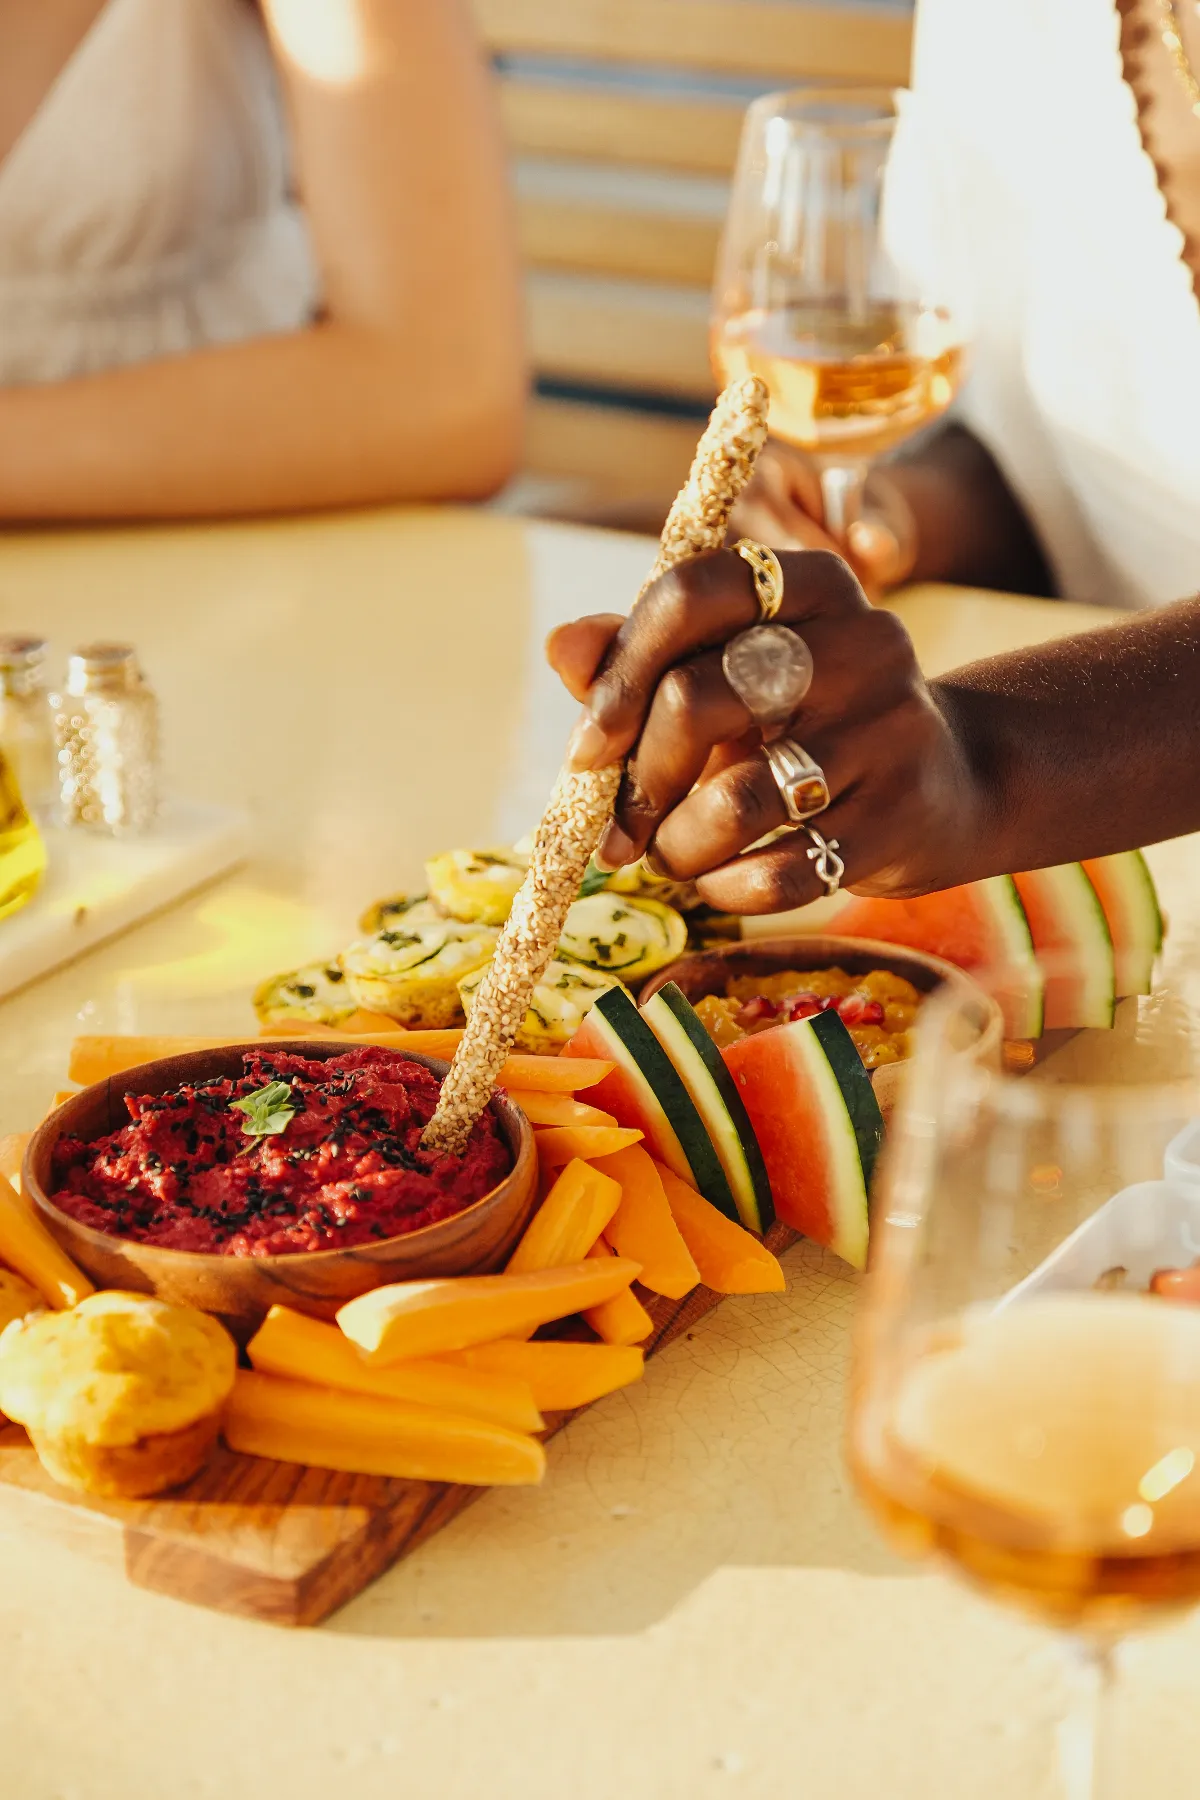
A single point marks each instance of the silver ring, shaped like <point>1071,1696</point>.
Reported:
<point>801,781</point>
<point>770,669</point>
<point>825,860</point>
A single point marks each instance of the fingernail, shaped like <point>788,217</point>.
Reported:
<point>586,745</point>
<point>615,851</point>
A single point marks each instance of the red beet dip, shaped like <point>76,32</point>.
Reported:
<point>346,1168</point>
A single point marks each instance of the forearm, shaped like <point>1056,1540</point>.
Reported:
<point>411,387</point>
<point>330,416</point>
<point>1083,746</point>
<point>967,525</point>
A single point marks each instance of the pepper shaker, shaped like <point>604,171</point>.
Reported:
<point>106,732</point>
<point>26,728</point>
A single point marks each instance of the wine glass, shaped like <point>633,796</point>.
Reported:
<point>856,357</point>
<point>1022,1406</point>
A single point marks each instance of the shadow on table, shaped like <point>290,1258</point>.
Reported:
<point>729,1454</point>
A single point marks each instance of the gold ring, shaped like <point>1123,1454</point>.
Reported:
<point>768,576</point>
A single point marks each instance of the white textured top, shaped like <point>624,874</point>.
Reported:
<point>1022,192</point>
<point>145,210</point>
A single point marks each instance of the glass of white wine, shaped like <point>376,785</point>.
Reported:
<point>1026,1395</point>
<point>807,296</point>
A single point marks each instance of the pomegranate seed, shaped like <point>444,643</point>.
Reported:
<point>803,1006</point>
<point>856,1009</point>
<point>754,1011</point>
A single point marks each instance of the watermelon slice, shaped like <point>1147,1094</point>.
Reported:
<point>818,1125</point>
<point>673,1020</point>
<point>645,1090</point>
<point>979,926</point>
<point>1071,937</point>
<point>1125,888</point>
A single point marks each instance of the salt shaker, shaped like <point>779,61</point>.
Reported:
<point>106,732</point>
<point>26,728</point>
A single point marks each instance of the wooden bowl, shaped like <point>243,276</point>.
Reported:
<point>240,1289</point>
<point>708,972</point>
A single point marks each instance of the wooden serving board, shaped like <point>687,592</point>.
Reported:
<point>271,1540</point>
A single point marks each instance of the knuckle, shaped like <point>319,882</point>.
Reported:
<point>889,641</point>
<point>735,799</point>
<point>677,693</point>
<point>613,697</point>
<point>824,574</point>
<point>674,597</point>
<point>762,885</point>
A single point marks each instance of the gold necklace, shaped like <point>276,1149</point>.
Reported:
<point>1172,36</point>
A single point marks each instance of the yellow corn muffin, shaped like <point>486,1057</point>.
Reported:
<point>122,1395</point>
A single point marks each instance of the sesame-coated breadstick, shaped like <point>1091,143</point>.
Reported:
<point>581,804</point>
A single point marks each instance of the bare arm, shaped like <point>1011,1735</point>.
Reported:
<point>410,387</point>
<point>1084,745</point>
<point>967,524</point>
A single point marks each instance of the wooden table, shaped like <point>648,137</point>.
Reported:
<point>693,1604</point>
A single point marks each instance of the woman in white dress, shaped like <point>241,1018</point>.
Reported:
<point>250,259</point>
<point>1047,175</point>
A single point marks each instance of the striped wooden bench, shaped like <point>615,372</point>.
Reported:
<point>624,118</point>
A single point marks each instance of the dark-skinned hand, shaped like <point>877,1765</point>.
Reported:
<point>905,800</point>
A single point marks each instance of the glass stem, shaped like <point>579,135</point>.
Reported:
<point>1084,1735</point>
<point>842,495</point>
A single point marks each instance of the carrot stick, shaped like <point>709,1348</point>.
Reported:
<point>96,1058</point>
<point>290,1344</point>
<point>560,1375</point>
<point>423,1318</point>
<point>557,1109</point>
<point>730,1259</point>
<point>560,1143</point>
<point>644,1219</point>
<point>27,1247</point>
<point>622,1319</point>
<point>362,1434</point>
<point>569,1220</point>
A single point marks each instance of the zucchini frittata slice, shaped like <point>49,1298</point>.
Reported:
<point>411,971</point>
<point>318,994</point>
<point>414,909</point>
<point>623,937</point>
<point>477,885</point>
<point>641,883</point>
<point>564,996</point>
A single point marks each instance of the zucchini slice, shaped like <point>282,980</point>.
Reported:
<point>557,1008</point>
<point>317,994</point>
<point>638,882</point>
<point>412,971</point>
<point>477,886</point>
<point>626,938</point>
<point>385,915</point>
